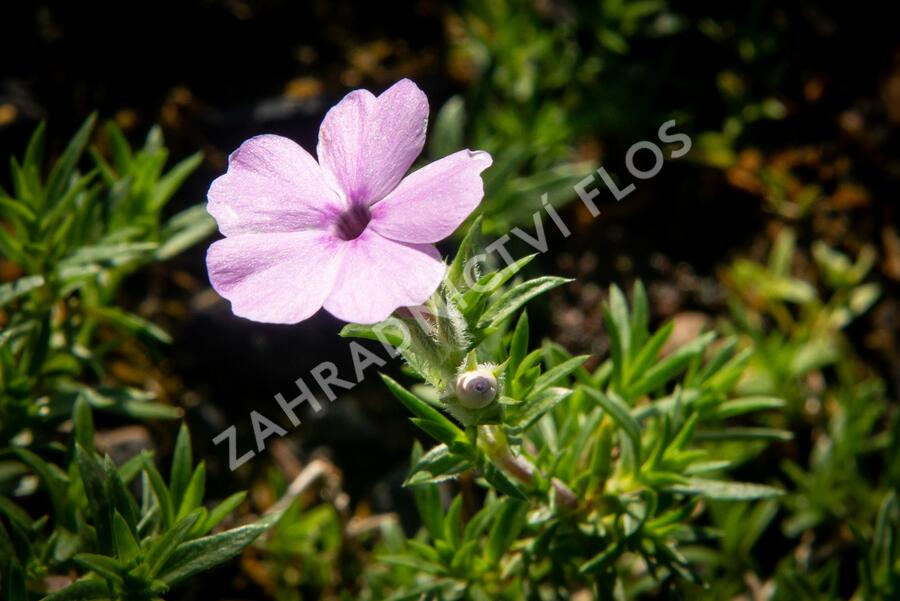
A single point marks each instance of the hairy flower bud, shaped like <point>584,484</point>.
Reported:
<point>476,389</point>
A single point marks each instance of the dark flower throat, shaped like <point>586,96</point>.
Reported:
<point>352,222</point>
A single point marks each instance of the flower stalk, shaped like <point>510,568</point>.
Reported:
<point>492,441</point>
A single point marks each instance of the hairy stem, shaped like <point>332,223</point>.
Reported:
<point>493,442</point>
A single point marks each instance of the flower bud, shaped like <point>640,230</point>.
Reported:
<point>476,389</point>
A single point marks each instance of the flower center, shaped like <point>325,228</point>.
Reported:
<point>482,385</point>
<point>352,223</point>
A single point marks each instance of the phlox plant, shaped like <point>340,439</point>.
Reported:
<point>71,525</point>
<point>540,474</point>
<point>585,475</point>
<point>588,474</point>
<point>844,489</point>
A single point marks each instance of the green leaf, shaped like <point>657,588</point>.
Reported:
<point>745,434</point>
<point>724,380</point>
<point>496,478</point>
<point>672,365</point>
<point>167,185</point>
<point>527,371</point>
<point>481,520</point>
<point>453,523</point>
<point>447,134</point>
<point>36,353</point>
<point>883,536</point>
<point>184,230</point>
<point>16,514</point>
<point>131,468</point>
<point>7,549</point>
<point>112,253</point>
<point>130,402</point>
<point>14,210</point>
<point>85,589</point>
<point>554,375</point>
<point>22,182</point>
<point>603,559</point>
<point>165,546</point>
<point>718,361</point>
<point>428,502</point>
<point>387,331</point>
<point>526,414</point>
<point>640,315</point>
<point>516,297</point>
<point>221,511</point>
<point>93,476</point>
<point>121,499</point>
<point>470,246</point>
<point>107,567</point>
<point>65,166</point>
<point>437,465</point>
<point>10,248</point>
<point>65,544</point>
<point>791,289</point>
<point>127,548</point>
<point>107,173</point>
<point>491,282</point>
<point>649,352</point>
<point>660,479</point>
<point>727,491</point>
<point>686,433</point>
<point>202,554</point>
<point>53,478</point>
<point>440,431</point>
<point>163,496</point>
<point>518,345</point>
<point>435,420</point>
<point>83,423</point>
<point>782,252</point>
<point>119,147</point>
<point>434,589</point>
<point>616,357</point>
<point>34,152</point>
<point>506,529</point>
<point>153,143</point>
<point>813,355</point>
<point>182,465</point>
<point>409,561</point>
<point>133,324</point>
<point>747,405</point>
<point>62,214</point>
<point>618,314</point>
<point>621,414</point>
<point>193,495</point>
<point>10,291</point>
<point>14,583</point>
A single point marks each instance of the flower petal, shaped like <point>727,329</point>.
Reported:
<point>272,185</point>
<point>379,275</point>
<point>429,204</point>
<point>366,144</point>
<point>275,277</point>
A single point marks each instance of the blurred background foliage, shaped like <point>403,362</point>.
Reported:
<point>779,229</point>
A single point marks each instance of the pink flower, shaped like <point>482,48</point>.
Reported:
<point>348,233</point>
